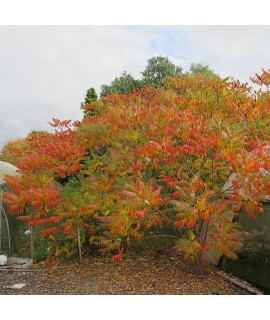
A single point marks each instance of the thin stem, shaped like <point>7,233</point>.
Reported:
<point>187,167</point>
<point>199,265</point>
<point>224,185</point>
<point>212,173</point>
<point>79,243</point>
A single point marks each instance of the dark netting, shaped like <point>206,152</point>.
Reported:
<point>253,264</point>
<point>12,234</point>
<point>13,238</point>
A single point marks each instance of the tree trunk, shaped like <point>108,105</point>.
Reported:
<point>79,243</point>
<point>32,243</point>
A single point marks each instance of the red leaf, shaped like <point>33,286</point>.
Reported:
<point>48,231</point>
<point>118,256</point>
<point>67,229</point>
<point>140,214</point>
<point>251,214</point>
<point>207,247</point>
<point>176,194</point>
<point>192,224</point>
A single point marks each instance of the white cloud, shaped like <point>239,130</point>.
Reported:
<point>45,71</point>
<point>237,51</point>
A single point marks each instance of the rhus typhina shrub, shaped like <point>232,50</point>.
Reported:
<point>152,160</point>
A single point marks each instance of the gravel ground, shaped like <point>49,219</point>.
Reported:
<point>134,275</point>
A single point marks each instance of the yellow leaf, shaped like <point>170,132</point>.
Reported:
<point>191,235</point>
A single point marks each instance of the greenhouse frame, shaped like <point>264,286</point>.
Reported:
<point>5,235</point>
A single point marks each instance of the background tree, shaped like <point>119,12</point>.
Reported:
<point>196,68</point>
<point>13,151</point>
<point>91,96</point>
<point>90,104</point>
<point>122,85</point>
<point>157,70</point>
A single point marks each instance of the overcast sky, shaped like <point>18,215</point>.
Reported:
<point>46,70</point>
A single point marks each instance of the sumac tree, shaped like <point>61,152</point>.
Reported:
<point>168,157</point>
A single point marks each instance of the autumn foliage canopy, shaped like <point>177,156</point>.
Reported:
<point>153,162</point>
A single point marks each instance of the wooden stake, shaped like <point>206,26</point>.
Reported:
<point>20,270</point>
<point>239,284</point>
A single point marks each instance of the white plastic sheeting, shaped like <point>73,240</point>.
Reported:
<point>228,186</point>
<point>7,169</point>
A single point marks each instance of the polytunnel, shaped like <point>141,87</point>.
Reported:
<point>6,222</point>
